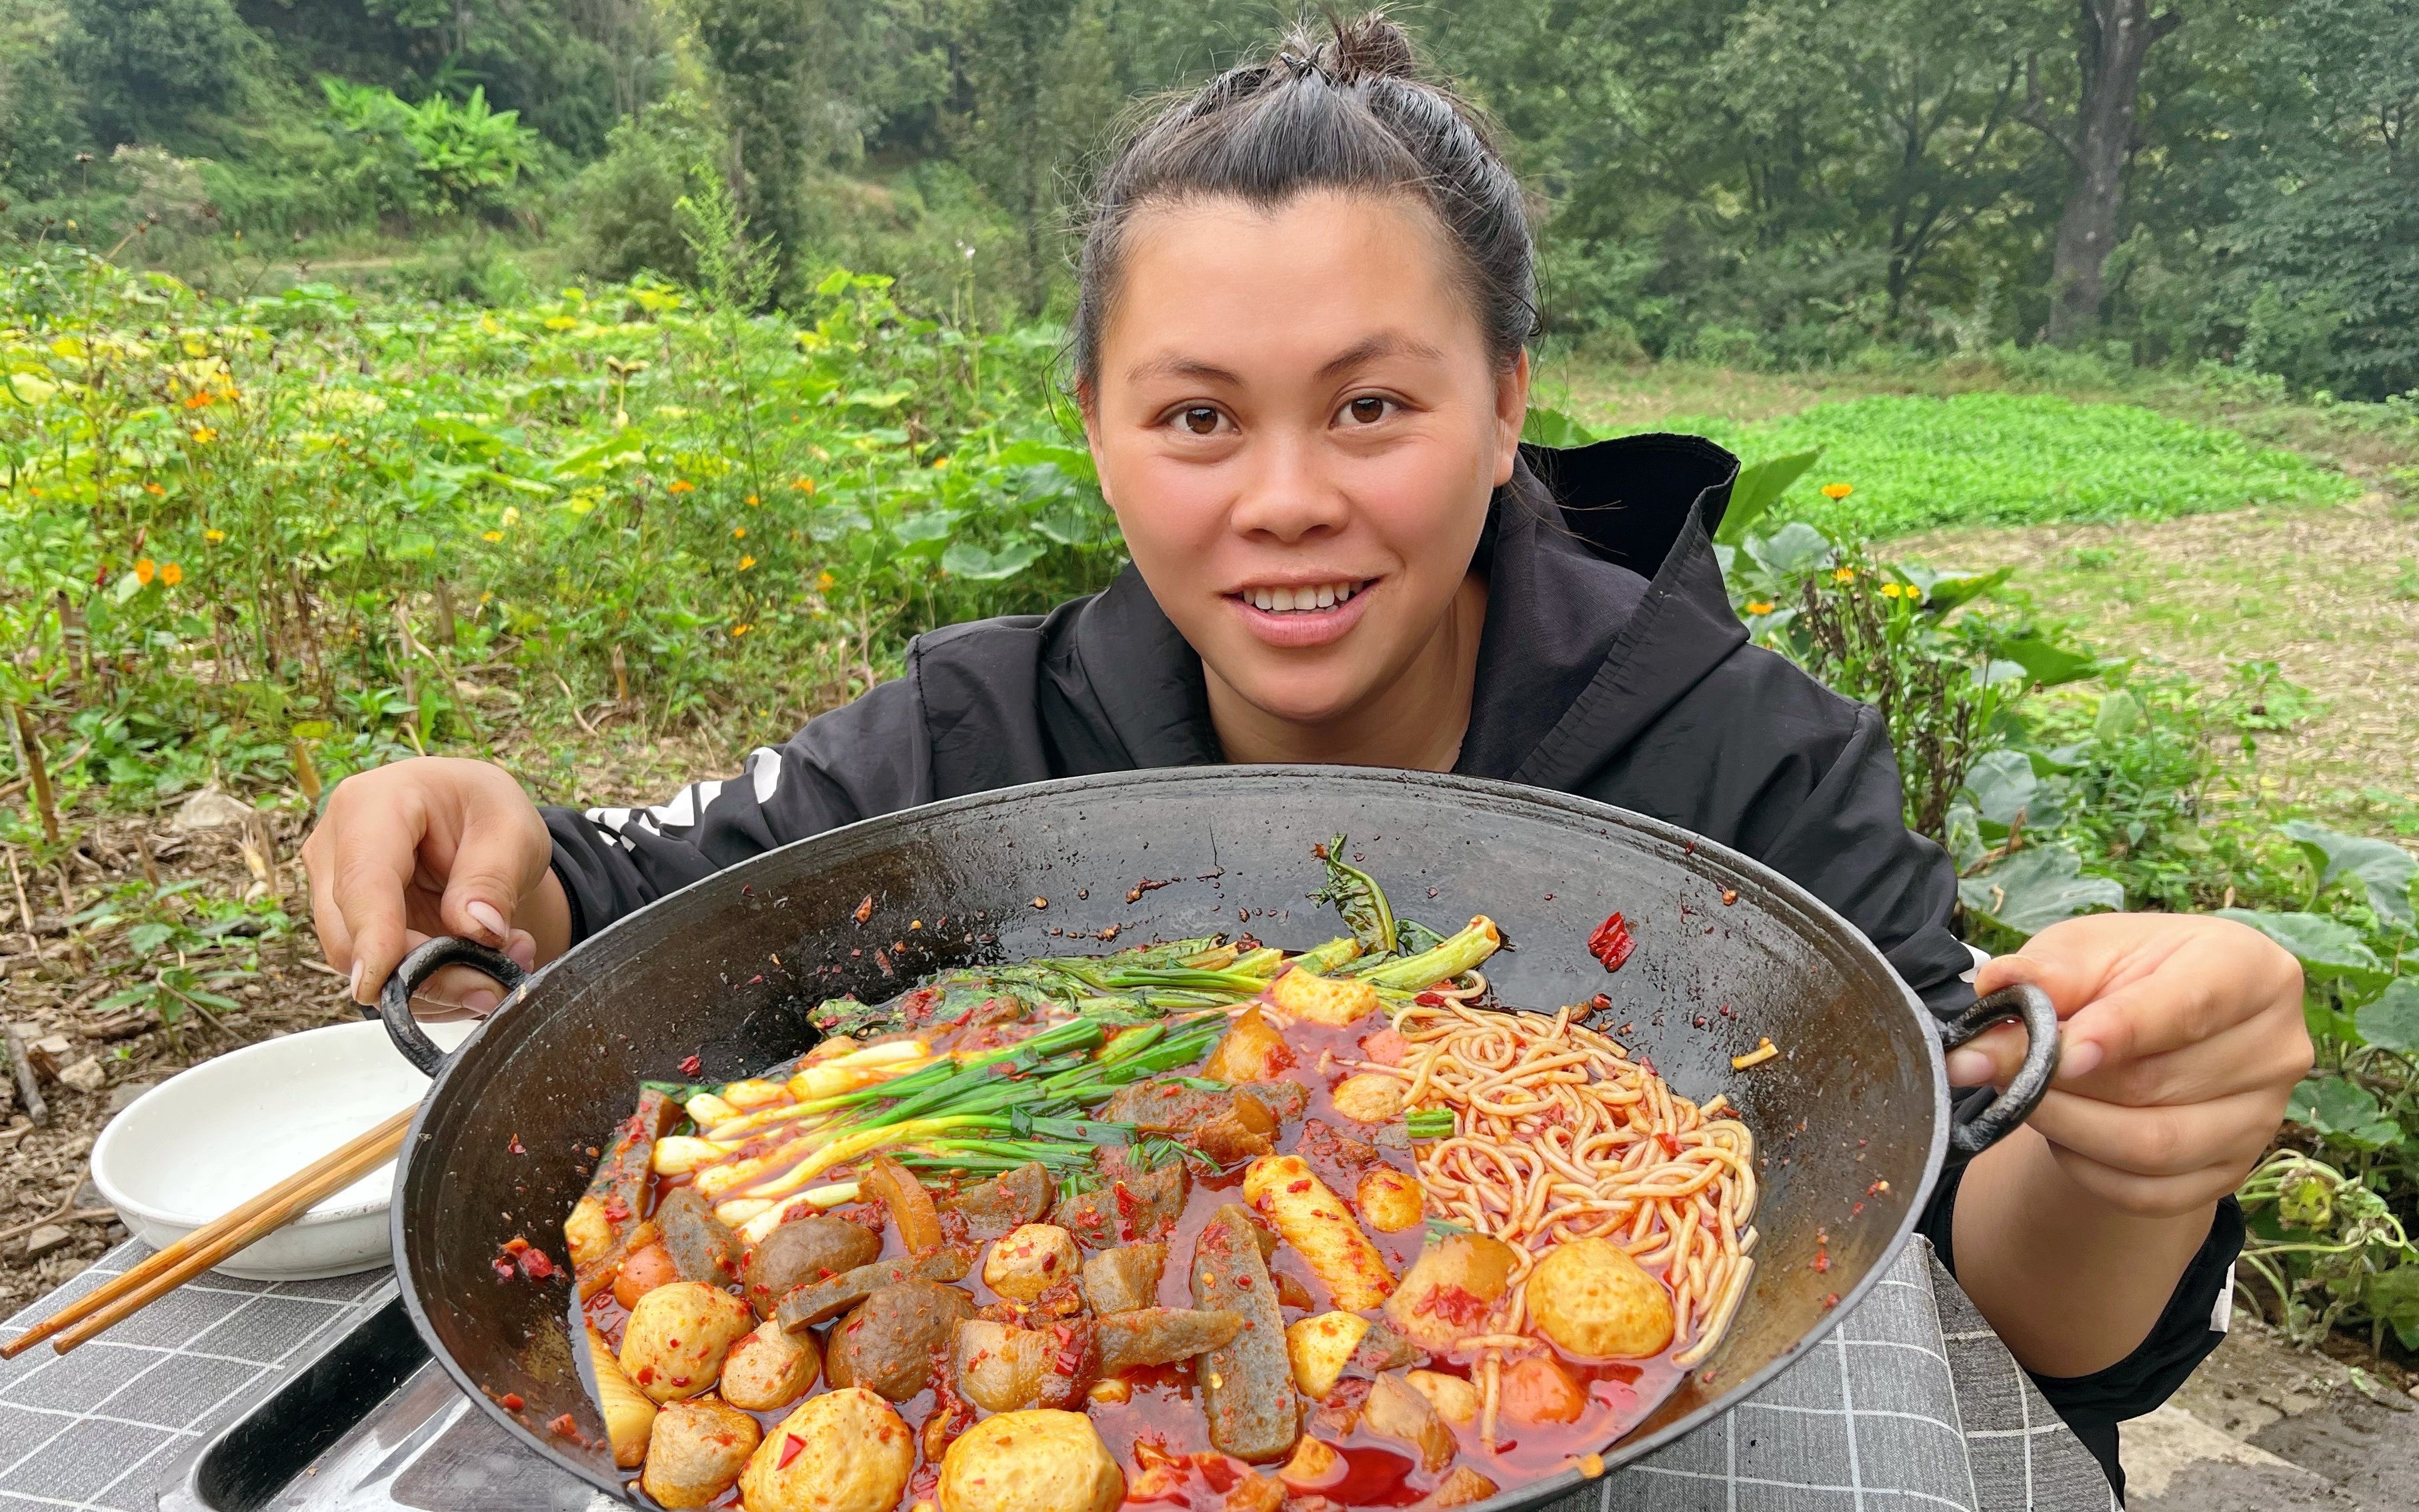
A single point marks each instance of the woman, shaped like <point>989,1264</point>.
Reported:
<point>1299,351</point>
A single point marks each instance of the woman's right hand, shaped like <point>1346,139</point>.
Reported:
<point>433,846</point>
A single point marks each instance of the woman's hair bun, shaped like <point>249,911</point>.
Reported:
<point>1369,46</point>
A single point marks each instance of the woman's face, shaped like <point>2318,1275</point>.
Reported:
<point>1298,426</point>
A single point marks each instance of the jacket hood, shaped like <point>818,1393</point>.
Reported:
<point>1605,605</point>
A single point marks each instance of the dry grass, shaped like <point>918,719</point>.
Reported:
<point>2330,595</point>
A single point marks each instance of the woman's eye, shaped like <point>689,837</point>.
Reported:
<point>1200,420</point>
<point>1368,409</point>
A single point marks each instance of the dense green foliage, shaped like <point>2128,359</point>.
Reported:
<point>1760,182</point>
<point>307,513</point>
<point>2018,460</point>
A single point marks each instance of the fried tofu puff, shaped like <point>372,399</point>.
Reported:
<point>844,1451</point>
<point>1039,1460</point>
<point>1596,1302</point>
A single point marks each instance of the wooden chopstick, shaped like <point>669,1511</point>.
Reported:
<point>123,1296</point>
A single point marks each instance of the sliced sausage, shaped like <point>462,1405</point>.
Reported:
<point>1161,1335</point>
<point>1131,1204</point>
<point>1005,1203</point>
<point>1247,1383</point>
<point>1121,1280</point>
<point>703,1246</point>
<point>891,1343</point>
<point>803,1250</point>
<point>816,1301</point>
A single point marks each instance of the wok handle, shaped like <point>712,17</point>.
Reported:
<point>2024,1091</point>
<point>395,998</point>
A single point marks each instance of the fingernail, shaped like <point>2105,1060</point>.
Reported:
<point>1969,1068</point>
<point>479,1001</point>
<point>489,920</point>
<point>356,982</point>
<point>2080,1058</point>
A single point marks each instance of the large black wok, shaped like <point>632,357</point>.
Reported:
<point>506,1141</point>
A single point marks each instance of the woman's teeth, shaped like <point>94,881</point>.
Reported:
<point>1301,600</point>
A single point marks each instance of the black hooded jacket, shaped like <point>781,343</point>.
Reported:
<point>1612,666</point>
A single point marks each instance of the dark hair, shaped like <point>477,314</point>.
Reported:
<point>1346,111</point>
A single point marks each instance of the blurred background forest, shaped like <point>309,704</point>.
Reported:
<point>1758,183</point>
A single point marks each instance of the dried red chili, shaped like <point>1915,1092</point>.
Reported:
<point>1611,943</point>
<point>510,1401</point>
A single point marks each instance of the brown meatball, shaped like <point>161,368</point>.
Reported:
<point>891,1342</point>
<point>800,1251</point>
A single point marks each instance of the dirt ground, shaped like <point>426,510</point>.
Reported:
<point>52,1221</point>
<point>2330,595</point>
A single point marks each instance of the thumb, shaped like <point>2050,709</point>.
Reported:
<point>491,870</point>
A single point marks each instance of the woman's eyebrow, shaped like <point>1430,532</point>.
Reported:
<point>1182,367</point>
<point>1383,345</point>
<point>1372,348</point>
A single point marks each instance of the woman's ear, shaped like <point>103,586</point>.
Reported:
<point>1511,413</point>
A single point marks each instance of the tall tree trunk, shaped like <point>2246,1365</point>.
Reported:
<point>2112,39</point>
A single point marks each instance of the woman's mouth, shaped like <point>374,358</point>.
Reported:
<point>1308,600</point>
<point>1302,614</point>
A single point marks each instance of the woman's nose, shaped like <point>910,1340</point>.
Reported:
<point>1289,493</point>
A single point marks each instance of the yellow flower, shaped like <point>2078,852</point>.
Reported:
<point>205,435</point>
<point>824,581</point>
<point>512,516</point>
<point>214,535</point>
<point>1759,607</point>
<point>1891,590</point>
<point>751,498</point>
<point>683,485</point>
<point>491,535</point>
<point>1844,574</point>
<point>804,485</point>
<point>746,562</point>
<point>1837,490</point>
<point>739,532</point>
<point>171,574</point>
<point>145,570</point>
<point>738,631</point>
<point>940,463</point>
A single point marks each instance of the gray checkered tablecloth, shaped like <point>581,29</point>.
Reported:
<point>1911,1402</point>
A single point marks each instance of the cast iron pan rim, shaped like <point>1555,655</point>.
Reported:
<point>1586,810</point>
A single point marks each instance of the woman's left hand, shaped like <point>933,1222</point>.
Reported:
<point>2182,1038</point>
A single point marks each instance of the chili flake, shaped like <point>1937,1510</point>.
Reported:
<point>1612,941</point>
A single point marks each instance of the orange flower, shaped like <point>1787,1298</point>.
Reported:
<point>145,570</point>
<point>746,562</point>
<point>824,580</point>
<point>1759,607</point>
<point>198,399</point>
<point>940,463</point>
<point>738,631</point>
<point>739,532</point>
<point>1837,490</point>
<point>153,488</point>
<point>683,485</point>
<point>804,485</point>
<point>751,498</point>
<point>171,574</point>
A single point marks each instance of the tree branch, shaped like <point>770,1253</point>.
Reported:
<point>2034,112</point>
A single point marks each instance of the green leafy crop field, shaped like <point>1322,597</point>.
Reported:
<point>1917,462</point>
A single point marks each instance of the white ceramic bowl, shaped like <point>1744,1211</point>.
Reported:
<point>207,1138</point>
